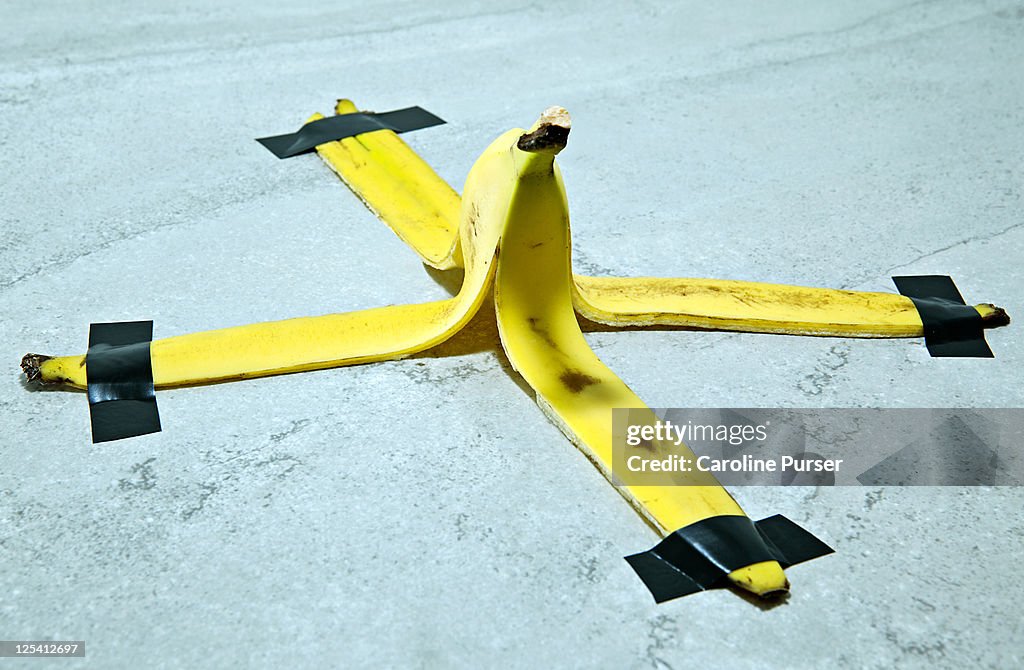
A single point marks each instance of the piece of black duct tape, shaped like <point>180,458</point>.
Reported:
<point>700,556</point>
<point>341,126</point>
<point>951,327</point>
<point>119,373</point>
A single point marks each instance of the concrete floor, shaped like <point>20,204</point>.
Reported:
<point>424,513</point>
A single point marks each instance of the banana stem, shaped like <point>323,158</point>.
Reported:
<point>31,365</point>
<point>549,134</point>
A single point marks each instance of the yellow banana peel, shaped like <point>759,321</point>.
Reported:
<point>510,232</point>
<point>514,238</point>
<point>421,208</point>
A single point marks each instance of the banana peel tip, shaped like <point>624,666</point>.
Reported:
<point>550,134</point>
<point>996,318</point>
<point>30,364</point>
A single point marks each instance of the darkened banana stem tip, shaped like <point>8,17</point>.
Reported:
<point>996,318</point>
<point>550,133</point>
<point>30,366</point>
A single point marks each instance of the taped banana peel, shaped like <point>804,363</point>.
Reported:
<point>515,201</point>
<point>512,236</point>
<point>423,210</point>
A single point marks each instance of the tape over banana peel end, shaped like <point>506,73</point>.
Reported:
<point>713,552</point>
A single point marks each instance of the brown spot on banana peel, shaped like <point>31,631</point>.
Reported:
<point>646,445</point>
<point>543,332</point>
<point>576,381</point>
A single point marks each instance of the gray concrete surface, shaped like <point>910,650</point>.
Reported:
<point>423,513</point>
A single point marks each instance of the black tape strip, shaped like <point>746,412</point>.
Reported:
<point>339,127</point>
<point>700,556</point>
<point>951,328</point>
<point>794,543</point>
<point>119,373</point>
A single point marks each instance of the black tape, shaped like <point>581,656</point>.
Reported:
<point>341,126</point>
<point>119,372</point>
<point>699,557</point>
<point>951,327</point>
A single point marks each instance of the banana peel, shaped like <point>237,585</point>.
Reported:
<point>514,240</point>
<point>422,209</point>
<point>511,236</point>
